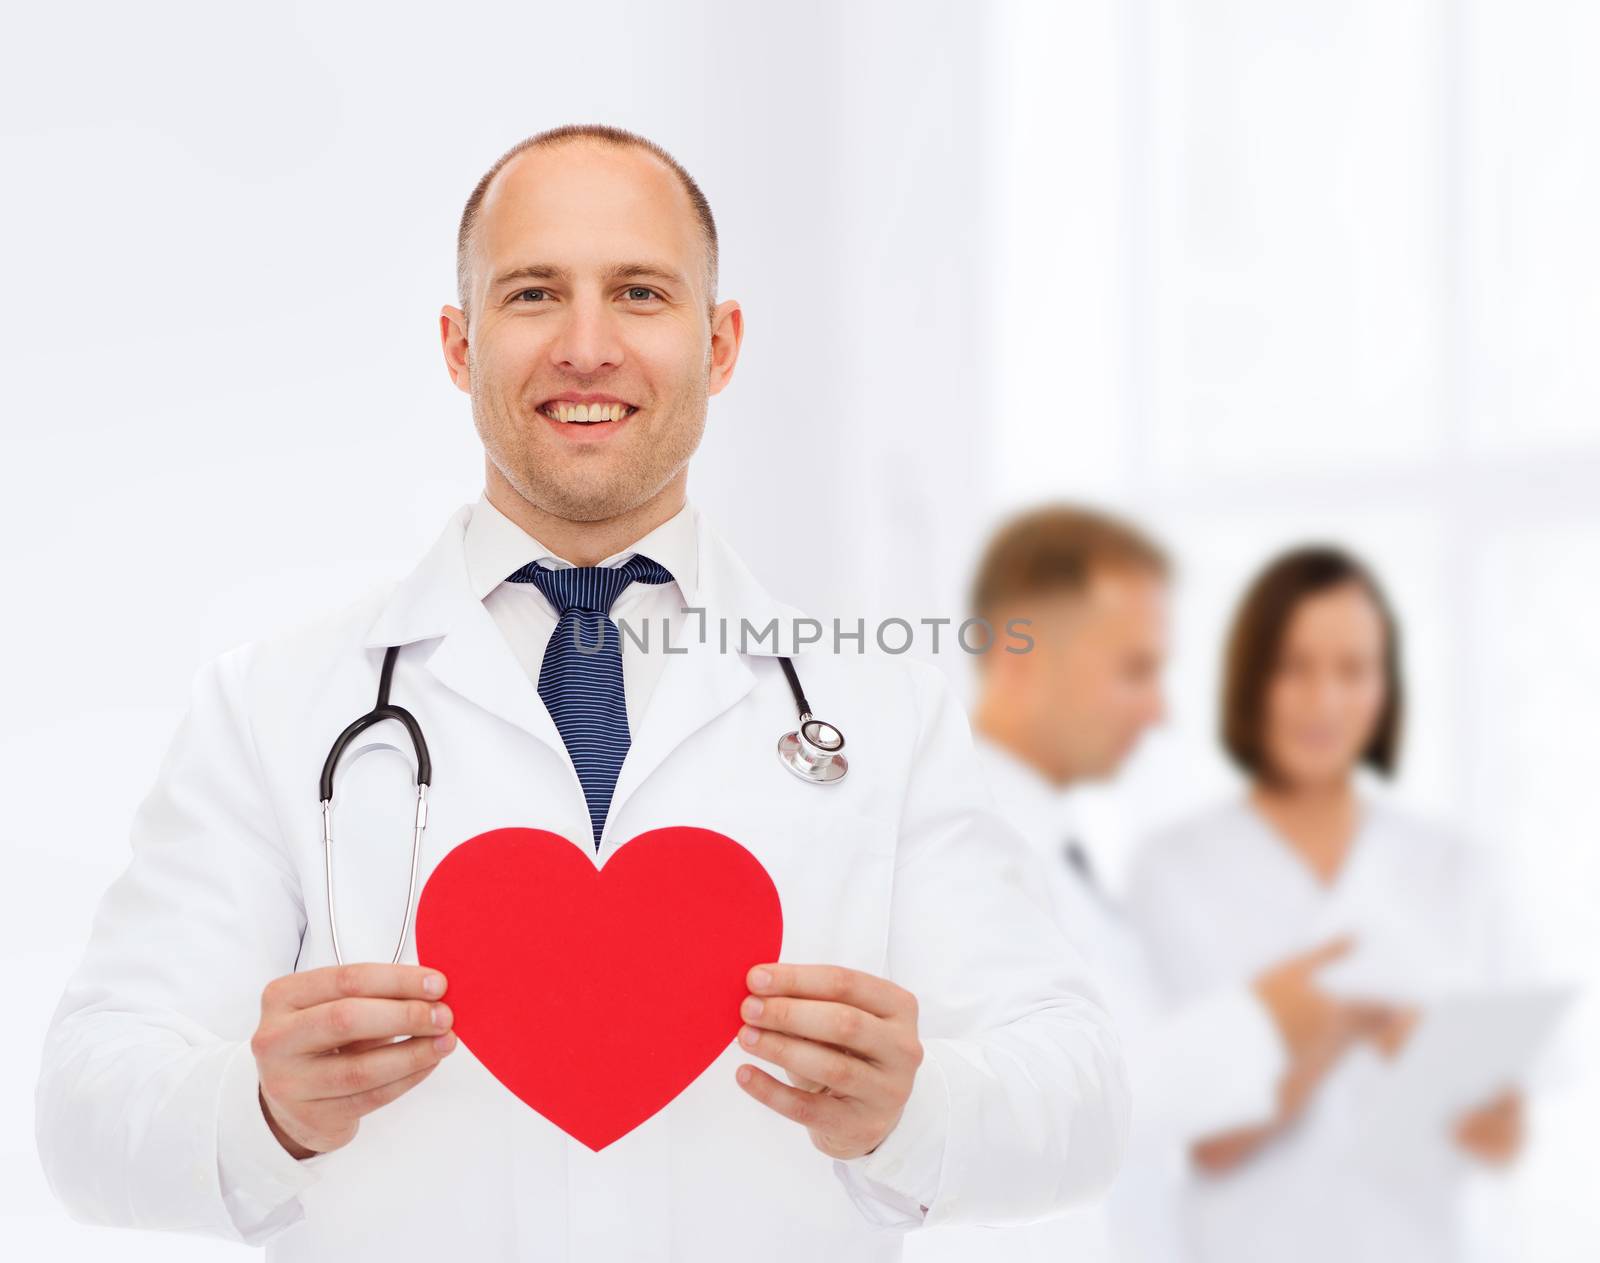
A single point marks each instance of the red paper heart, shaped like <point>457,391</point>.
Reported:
<point>597,994</point>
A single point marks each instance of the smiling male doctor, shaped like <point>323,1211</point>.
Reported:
<point>211,1069</point>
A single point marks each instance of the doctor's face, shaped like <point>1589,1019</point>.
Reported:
<point>1094,675</point>
<point>1327,690</point>
<point>588,350</point>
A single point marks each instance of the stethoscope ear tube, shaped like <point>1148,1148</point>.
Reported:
<point>377,715</point>
<point>380,712</point>
<point>359,726</point>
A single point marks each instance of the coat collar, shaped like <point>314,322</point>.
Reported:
<point>437,602</point>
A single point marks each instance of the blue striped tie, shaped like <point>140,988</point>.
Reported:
<point>580,678</point>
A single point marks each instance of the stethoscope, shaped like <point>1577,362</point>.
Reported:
<point>812,752</point>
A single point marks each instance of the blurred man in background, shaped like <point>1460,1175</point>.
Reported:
<point>1065,713</point>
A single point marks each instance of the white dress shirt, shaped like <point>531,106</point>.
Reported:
<point>650,615</point>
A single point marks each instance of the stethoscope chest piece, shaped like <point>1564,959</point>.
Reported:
<point>813,752</point>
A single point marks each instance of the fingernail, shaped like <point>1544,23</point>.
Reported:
<point>445,1043</point>
<point>433,984</point>
<point>760,978</point>
<point>748,1034</point>
<point>752,1007</point>
<point>441,1016</point>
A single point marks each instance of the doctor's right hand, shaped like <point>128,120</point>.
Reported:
<point>325,1051</point>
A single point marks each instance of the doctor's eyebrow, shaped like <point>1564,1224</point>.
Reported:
<point>616,272</point>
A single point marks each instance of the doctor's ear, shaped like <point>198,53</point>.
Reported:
<point>727,332</point>
<point>453,341</point>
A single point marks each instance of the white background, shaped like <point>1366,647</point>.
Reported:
<point>1252,270</point>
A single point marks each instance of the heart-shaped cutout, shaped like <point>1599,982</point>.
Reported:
<point>598,994</point>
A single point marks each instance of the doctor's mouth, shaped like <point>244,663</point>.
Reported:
<point>893,636</point>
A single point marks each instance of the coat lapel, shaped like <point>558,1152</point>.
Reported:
<point>472,659</point>
<point>475,661</point>
<point>700,684</point>
<point>692,690</point>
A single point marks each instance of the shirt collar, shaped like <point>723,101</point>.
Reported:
<point>496,547</point>
<point>427,602</point>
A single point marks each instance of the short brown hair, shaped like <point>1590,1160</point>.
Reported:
<point>1256,639</point>
<point>615,136</point>
<point>1058,548</point>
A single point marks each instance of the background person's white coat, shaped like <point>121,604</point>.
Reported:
<point>1221,897</point>
<point>1207,1063</point>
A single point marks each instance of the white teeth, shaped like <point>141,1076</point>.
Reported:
<point>585,414</point>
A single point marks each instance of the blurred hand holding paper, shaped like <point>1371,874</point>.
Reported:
<point>1467,1047</point>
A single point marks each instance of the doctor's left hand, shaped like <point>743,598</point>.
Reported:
<point>849,1043</point>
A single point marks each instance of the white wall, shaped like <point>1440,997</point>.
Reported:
<point>1343,255</point>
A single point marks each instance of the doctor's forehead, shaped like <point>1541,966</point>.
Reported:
<point>586,207</point>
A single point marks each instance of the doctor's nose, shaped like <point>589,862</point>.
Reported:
<point>589,340</point>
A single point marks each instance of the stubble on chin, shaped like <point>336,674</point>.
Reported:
<point>578,488</point>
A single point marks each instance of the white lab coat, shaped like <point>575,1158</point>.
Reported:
<point>1211,1062</point>
<point>146,1104</point>
<point>1220,898</point>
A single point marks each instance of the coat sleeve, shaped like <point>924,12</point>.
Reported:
<point>146,1108</point>
<point>1203,1066</point>
<point>1020,1106</point>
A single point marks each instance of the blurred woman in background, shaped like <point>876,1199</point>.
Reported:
<point>1312,694</point>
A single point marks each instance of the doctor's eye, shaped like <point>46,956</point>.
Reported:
<point>520,294</point>
<point>641,293</point>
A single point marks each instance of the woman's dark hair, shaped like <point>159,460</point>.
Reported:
<point>1256,639</point>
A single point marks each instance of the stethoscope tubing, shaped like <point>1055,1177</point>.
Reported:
<point>381,711</point>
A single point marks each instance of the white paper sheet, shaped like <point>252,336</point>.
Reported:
<point>1467,1048</point>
